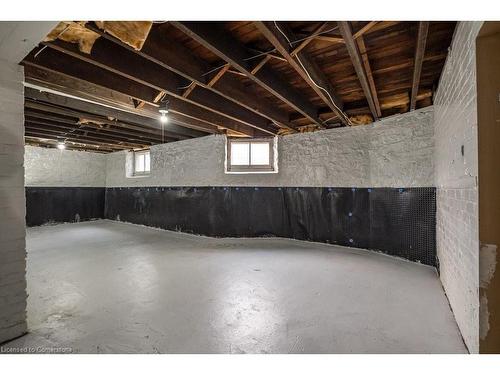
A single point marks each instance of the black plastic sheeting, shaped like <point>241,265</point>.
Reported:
<point>63,204</point>
<point>399,222</point>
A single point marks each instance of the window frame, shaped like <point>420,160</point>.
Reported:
<point>242,169</point>
<point>134,161</point>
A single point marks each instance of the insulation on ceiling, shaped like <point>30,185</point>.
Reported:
<point>361,119</point>
<point>74,32</point>
<point>84,121</point>
<point>133,33</point>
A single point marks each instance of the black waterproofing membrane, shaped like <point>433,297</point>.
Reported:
<point>400,222</point>
<point>63,204</point>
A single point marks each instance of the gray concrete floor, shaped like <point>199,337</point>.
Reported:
<point>109,287</point>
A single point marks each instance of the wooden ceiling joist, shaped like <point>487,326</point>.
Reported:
<point>260,64</point>
<point>179,59</point>
<point>108,63</point>
<point>423,28</point>
<point>218,75</point>
<point>357,61</point>
<point>50,143</point>
<point>118,128</point>
<point>213,37</point>
<point>364,29</point>
<point>69,77</point>
<point>304,65</point>
<point>71,112</point>
<point>306,41</point>
<point>48,134</point>
<point>101,101</point>
<point>369,74</point>
<point>92,134</point>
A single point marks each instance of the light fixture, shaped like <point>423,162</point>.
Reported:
<point>164,111</point>
<point>61,145</point>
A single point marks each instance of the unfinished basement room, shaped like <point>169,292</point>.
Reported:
<point>286,187</point>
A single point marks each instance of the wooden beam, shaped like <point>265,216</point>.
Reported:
<point>78,73</point>
<point>111,57</point>
<point>308,40</point>
<point>70,112</point>
<point>90,98</point>
<point>357,62</point>
<point>91,132</point>
<point>369,75</point>
<point>331,39</point>
<point>219,75</point>
<point>50,134</point>
<point>364,29</point>
<point>304,65</point>
<point>190,89</point>
<point>260,64</point>
<point>115,127</point>
<point>177,58</point>
<point>50,143</point>
<point>214,37</point>
<point>423,28</point>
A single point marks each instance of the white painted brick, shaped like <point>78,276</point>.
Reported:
<point>12,204</point>
<point>396,151</point>
<point>53,167</point>
<point>455,176</point>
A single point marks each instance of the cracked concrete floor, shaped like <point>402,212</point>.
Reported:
<point>110,287</point>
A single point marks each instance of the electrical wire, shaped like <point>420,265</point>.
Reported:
<point>262,53</point>
<point>185,87</point>
<point>307,73</point>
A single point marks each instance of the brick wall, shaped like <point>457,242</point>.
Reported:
<point>394,152</point>
<point>12,204</point>
<point>456,181</point>
<point>53,167</point>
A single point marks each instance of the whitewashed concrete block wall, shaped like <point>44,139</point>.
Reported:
<point>12,203</point>
<point>395,152</point>
<point>64,168</point>
<point>456,172</point>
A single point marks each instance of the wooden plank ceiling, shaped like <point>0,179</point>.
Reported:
<point>239,78</point>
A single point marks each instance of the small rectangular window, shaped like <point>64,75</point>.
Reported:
<point>142,163</point>
<point>255,155</point>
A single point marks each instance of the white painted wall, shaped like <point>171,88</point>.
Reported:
<point>16,40</point>
<point>53,167</point>
<point>12,204</point>
<point>394,152</point>
<point>456,181</point>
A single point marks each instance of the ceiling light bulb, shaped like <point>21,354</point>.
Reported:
<point>61,146</point>
<point>163,110</point>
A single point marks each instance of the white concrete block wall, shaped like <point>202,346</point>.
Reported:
<point>12,203</point>
<point>64,168</point>
<point>456,181</point>
<point>394,152</point>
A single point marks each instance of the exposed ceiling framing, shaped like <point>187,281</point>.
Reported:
<point>245,79</point>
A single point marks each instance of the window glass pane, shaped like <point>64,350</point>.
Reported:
<point>239,153</point>
<point>147,162</point>
<point>260,153</point>
<point>139,162</point>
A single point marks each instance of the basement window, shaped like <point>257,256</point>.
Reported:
<point>257,155</point>
<point>142,163</point>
